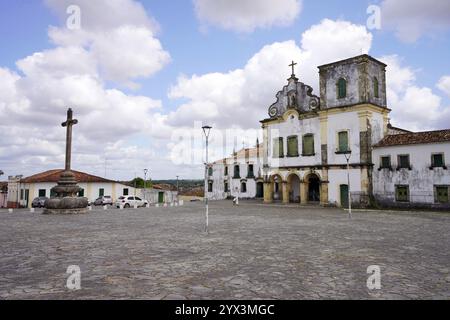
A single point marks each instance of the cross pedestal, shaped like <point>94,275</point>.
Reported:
<point>66,200</point>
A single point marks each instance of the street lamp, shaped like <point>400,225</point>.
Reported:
<point>347,155</point>
<point>178,190</point>
<point>206,131</point>
<point>145,181</point>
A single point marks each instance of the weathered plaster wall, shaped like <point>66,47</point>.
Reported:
<point>359,73</point>
<point>421,179</point>
<point>350,73</point>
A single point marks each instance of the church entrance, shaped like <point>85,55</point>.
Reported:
<point>314,189</point>
<point>260,190</point>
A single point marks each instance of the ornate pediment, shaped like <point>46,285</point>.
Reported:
<point>295,95</point>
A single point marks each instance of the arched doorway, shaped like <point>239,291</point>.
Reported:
<point>277,183</point>
<point>313,192</point>
<point>294,188</point>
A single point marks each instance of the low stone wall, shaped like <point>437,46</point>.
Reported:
<point>389,202</point>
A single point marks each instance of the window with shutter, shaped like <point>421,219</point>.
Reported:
<point>101,192</point>
<point>308,145</point>
<point>442,194</point>
<point>278,150</point>
<point>210,186</point>
<point>342,88</point>
<point>376,88</point>
<point>343,141</point>
<point>210,171</point>
<point>237,174</point>
<point>292,146</point>
<point>226,170</point>
<point>250,174</point>
<point>402,193</point>
<point>403,162</point>
<point>437,160</point>
<point>243,187</point>
<point>386,162</point>
<point>42,193</point>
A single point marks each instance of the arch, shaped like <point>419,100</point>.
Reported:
<point>277,184</point>
<point>294,181</point>
<point>313,183</point>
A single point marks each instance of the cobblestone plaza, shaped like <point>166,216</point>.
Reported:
<point>253,251</point>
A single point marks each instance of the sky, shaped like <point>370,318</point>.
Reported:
<point>143,76</point>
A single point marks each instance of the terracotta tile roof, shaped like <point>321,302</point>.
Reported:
<point>53,176</point>
<point>164,187</point>
<point>415,138</point>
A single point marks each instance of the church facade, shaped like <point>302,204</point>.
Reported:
<point>318,148</point>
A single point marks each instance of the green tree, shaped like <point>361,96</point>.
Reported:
<point>139,183</point>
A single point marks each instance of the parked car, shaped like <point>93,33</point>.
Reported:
<point>39,202</point>
<point>130,201</point>
<point>103,201</point>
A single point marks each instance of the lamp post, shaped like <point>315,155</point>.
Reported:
<point>206,131</point>
<point>178,189</point>
<point>347,155</point>
<point>145,181</point>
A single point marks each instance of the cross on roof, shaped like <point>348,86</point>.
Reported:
<point>293,64</point>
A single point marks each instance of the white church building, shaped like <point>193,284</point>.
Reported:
<point>307,140</point>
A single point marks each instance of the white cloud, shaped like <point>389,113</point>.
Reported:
<point>119,36</point>
<point>247,15</point>
<point>413,107</point>
<point>413,18</point>
<point>444,84</point>
<point>34,100</point>
<point>242,97</point>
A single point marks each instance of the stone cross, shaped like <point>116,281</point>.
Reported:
<point>293,64</point>
<point>69,124</point>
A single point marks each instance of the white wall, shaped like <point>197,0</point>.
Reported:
<point>421,179</point>
<point>295,127</point>
<point>348,121</point>
<point>339,176</point>
<point>234,185</point>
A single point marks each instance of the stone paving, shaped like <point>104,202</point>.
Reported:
<point>253,251</point>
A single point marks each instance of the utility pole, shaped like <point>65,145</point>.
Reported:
<point>145,182</point>
<point>206,131</point>
<point>347,157</point>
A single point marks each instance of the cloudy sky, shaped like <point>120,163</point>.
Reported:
<point>143,76</point>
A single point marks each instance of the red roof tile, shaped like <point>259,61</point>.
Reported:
<point>53,176</point>
<point>415,138</point>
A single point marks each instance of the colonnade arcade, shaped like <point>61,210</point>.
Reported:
<point>308,187</point>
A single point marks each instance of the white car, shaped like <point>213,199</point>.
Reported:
<point>130,202</point>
